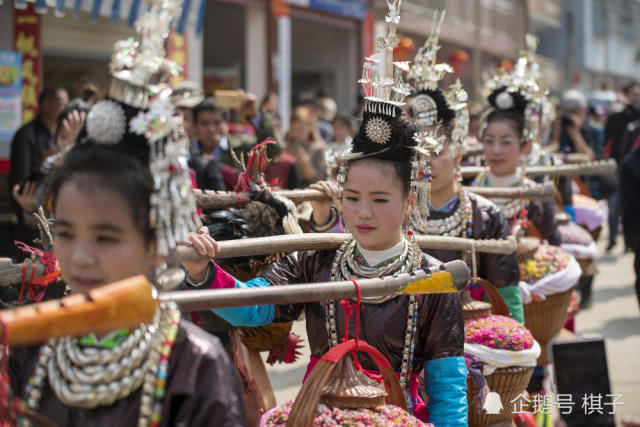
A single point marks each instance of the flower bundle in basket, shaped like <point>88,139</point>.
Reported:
<point>578,242</point>
<point>547,278</point>
<point>500,355</point>
<point>336,393</point>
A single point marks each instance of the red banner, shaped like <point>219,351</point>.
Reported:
<point>177,52</point>
<point>26,39</point>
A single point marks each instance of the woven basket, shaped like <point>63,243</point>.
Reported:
<point>304,408</point>
<point>509,383</point>
<point>545,319</point>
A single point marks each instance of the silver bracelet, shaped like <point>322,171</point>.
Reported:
<point>333,219</point>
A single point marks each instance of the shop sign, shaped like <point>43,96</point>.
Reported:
<point>26,37</point>
<point>350,8</point>
<point>10,94</point>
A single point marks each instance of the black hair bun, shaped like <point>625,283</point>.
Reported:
<point>385,134</point>
<point>504,100</point>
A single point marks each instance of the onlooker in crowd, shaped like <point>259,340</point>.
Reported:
<point>342,134</point>
<point>574,136</point>
<point>327,114</point>
<point>211,156</point>
<point>307,147</point>
<point>186,96</point>
<point>614,134</point>
<point>320,126</point>
<point>35,140</point>
<point>249,110</point>
<point>269,103</point>
<point>30,146</point>
<point>630,206</point>
<point>596,123</point>
<point>618,122</point>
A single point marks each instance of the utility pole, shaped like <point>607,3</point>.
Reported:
<point>476,58</point>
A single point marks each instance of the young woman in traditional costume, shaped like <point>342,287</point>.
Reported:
<point>452,210</point>
<point>121,202</point>
<point>416,333</point>
<point>265,215</point>
<point>504,140</point>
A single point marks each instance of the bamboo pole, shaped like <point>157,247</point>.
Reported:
<point>11,274</point>
<point>332,241</point>
<point>224,199</point>
<point>478,149</point>
<point>133,301</point>
<point>597,168</point>
<point>449,277</point>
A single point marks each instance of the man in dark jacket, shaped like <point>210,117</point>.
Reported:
<point>614,148</point>
<point>35,140</point>
<point>630,201</point>
<point>618,122</point>
<point>211,156</point>
<point>31,145</point>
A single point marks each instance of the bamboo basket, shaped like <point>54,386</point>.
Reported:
<point>509,383</point>
<point>318,385</point>
<point>545,319</point>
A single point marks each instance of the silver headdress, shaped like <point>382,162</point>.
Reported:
<point>429,106</point>
<point>139,110</point>
<point>521,86</point>
<point>383,133</point>
<point>457,99</point>
<point>426,73</point>
<point>382,80</point>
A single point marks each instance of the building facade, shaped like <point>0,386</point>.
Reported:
<point>476,35</point>
<point>598,43</point>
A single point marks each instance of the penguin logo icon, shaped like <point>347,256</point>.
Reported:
<point>493,404</point>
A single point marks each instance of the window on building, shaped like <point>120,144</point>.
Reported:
<point>625,20</point>
<point>598,18</point>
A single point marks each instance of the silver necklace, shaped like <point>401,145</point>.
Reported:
<point>453,225</point>
<point>88,377</point>
<point>410,262</point>
<point>510,208</point>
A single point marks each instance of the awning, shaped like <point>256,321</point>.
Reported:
<point>192,10</point>
<point>349,8</point>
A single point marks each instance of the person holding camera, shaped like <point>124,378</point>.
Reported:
<point>574,137</point>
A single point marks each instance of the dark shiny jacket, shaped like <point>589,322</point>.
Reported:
<point>202,386</point>
<point>440,330</point>
<point>488,223</point>
<point>542,214</point>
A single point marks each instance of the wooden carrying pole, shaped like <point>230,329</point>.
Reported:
<point>332,241</point>
<point>597,168</point>
<point>225,199</point>
<point>449,277</point>
<point>133,301</point>
<point>478,149</point>
<point>12,273</point>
